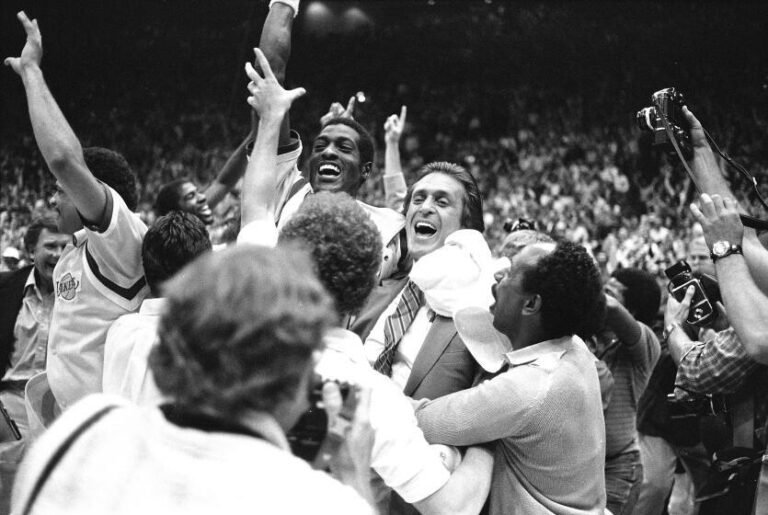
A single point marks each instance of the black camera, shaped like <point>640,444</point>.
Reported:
<point>680,277</point>
<point>306,437</point>
<point>667,106</point>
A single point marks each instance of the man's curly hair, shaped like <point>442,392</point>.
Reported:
<point>344,243</point>
<point>239,330</point>
<point>112,169</point>
<point>570,287</point>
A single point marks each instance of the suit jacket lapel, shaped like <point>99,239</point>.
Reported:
<point>439,336</point>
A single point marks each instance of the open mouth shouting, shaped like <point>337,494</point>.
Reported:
<point>424,230</point>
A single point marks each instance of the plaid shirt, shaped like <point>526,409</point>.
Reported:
<point>722,365</point>
<point>719,365</point>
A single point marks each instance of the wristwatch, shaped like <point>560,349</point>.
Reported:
<point>668,330</point>
<point>723,248</point>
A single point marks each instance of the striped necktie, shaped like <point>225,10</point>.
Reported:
<point>397,324</point>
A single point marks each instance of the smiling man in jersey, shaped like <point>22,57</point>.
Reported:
<point>99,276</point>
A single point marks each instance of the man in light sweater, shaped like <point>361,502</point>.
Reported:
<point>543,411</point>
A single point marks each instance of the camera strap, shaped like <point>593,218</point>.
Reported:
<point>748,221</point>
<point>675,144</point>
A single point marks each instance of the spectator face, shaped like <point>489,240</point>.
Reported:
<point>191,200</point>
<point>334,164</point>
<point>67,217</point>
<point>10,264</point>
<point>47,252</point>
<point>434,213</point>
<point>698,257</point>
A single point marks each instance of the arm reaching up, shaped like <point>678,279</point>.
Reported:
<point>394,181</point>
<point>745,302</point>
<point>271,102</point>
<point>275,43</point>
<point>709,179</point>
<point>57,141</point>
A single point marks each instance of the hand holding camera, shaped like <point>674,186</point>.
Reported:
<point>687,300</point>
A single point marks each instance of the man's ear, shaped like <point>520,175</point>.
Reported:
<point>532,305</point>
<point>365,171</point>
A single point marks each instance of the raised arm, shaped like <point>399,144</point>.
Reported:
<point>394,181</point>
<point>233,169</point>
<point>275,42</point>
<point>745,302</point>
<point>57,141</point>
<point>271,102</point>
<point>709,179</point>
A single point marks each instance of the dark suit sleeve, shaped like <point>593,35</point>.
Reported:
<point>11,296</point>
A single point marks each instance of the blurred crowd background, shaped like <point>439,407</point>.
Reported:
<point>537,99</point>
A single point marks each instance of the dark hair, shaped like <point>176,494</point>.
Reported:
<point>642,297</point>
<point>32,235</point>
<point>112,169</point>
<point>344,243</point>
<point>472,213</point>
<point>365,140</point>
<point>168,197</point>
<point>239,330</point>
<point>173,241</point>
<point>572,298</point>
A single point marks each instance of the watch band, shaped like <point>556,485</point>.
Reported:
<point>668,330</point>
<point>733,249</point>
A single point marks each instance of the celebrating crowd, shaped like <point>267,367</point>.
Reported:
<point>478,333</point>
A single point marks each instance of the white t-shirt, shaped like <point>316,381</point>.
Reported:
<point>97,279</point>
<point>126,354</point>
<point>132,460</point>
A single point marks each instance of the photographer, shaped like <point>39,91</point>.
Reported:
<point>237,347</point>
<point>743,275</point>
<point>720,364</point>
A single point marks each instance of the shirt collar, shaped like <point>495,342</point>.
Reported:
<point>152,306</point>
<point>31,283</point>
<point>532,353</point>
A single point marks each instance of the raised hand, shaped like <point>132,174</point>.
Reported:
<point>339,111</point>
<point>719,217</point>
<point>394,126</point>
<point>32,53</point>
<point>268,98</point>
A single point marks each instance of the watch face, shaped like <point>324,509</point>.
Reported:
<point>720,248</point>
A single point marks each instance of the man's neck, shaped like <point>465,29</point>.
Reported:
<point>528,335</point>
<point>45,287</point>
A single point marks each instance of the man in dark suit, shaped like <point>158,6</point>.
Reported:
<point>27,299</point>
<point>404,338</point>
<point>421,350</point>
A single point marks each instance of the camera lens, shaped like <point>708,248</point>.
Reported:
<point>645,118</point>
